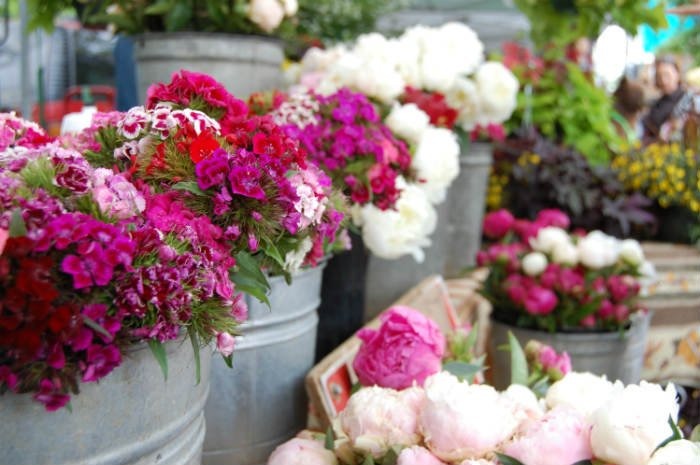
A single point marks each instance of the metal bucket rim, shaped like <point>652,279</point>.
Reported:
<point>156,36</point>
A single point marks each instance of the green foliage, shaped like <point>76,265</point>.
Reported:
<point>504,459</point>
<point>249,279</point>
<point>556,24</point>
<point>17,226</point>
<point>518,361</point>
<point>567,107</point>
<point>43,12</point>
<point>158,351</point>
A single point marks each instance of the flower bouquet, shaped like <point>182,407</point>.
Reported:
<point>90,266</point>
<point>242,171</point>
<point>413,408</point>
<point>573,291</point>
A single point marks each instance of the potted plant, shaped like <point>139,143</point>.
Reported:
<point>235,42</point>
<point>576,292</point>
<point>94,272</point>
<point>280,218</point>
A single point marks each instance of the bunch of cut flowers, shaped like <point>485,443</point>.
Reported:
<point>91,265</point>
<point>277,210</point>
<point>441,70</point>
<point>541,276</point>
<point>548,416</point>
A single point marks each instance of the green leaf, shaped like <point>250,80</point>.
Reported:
<point>518,361</point>
<point>158,351</point>
<point>462,370</point>
<point>17,226</point>
<point>471,337</point>
<point>272,251</point>
<point>228,360</point>
<point>391,457</point>
<point>178,17</point>
<point>249,278</point>
<point>92,324</point>
<point>507,460</point>
<point>675,435</point>
<point>195,347</point>
<point>329,443</point>
<point>369,460</point>
<point>189,186</point>
<point>158,8</point>
<point>583,462</point>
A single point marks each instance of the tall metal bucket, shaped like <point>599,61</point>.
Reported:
<point>614,354</point>
<point>243,64</point>
<point>132,417</point>
<point>261,402</point>
<point>466,202</point>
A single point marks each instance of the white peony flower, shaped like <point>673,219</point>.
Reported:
<point>408,121</point>
<point>523,403</point>
<point>598,250</point>
<point>267,14</point>
<point>390,234</point>
<point>584,392</point>
<point>377,418</point>
<point>464,97</point>
<point>436,71</point>
<point>302,451</point>
<point>461,421</point>
<point>379,79</point>
<point>498,88</point>
<point>463,46</point>
<point>290,7</point>
<point>632,423</point>
<point>680,452</point>
<point>295,258</point>
<point>631,252</point>
<point>565,253</point>
<point>548,238</point>
<point>534,263</point>
<point>436,162</point>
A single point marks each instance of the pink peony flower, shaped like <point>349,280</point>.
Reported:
<point>299,451</point>
<point>407,348</point>
<point>540,301</point>
<point>418,455</point>
<point>562,436</point>
<point>497,224</point>
<point>377,418</point>
<point>526,230</point>
<point>461,421</point>
<point>553,217</point>
<point>225,343</point>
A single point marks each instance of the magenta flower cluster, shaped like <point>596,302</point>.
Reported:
<point>349,140</point>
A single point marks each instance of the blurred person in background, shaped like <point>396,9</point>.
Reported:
<point>629,106</point>
<point>666,116</point>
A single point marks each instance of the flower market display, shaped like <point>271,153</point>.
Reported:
<point>90,265</point>
<point>544,277</point>
<point>409,411</point>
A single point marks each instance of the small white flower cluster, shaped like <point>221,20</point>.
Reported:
<point>162,121</point>
<point>300,110</point>
<point>447,59</point>
<point>595,251</point>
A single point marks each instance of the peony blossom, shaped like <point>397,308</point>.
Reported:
<point>523,403</point>
<point>4,235</point>
<point>553,217</point>
<point>498,88</point>
<point>418,455</point>
<point>598,250</point>
<point>375,419</point>
<point>631,252</point>
<point>584,392</point>
<point>565,253</point>
<point>679,452</point>
<point>300,451</point>
<point>548,238</point>
<point>267,14</point>
<point>406,349</point>
<point>436,162</point>
<point>534,263</point>
<point>633,422</point>
<point>408,122</point>
<point>461,421</point>
<point>390,234</point>
<point>561,436</point>
<point>497,224</point>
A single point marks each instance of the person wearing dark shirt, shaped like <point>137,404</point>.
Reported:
<point>666,110</point>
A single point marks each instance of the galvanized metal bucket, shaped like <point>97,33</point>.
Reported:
<point>133,416</point>
<point>243,64</point>
<point>260,402</point>
<point>614,354</point>
<point>466,201</point>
